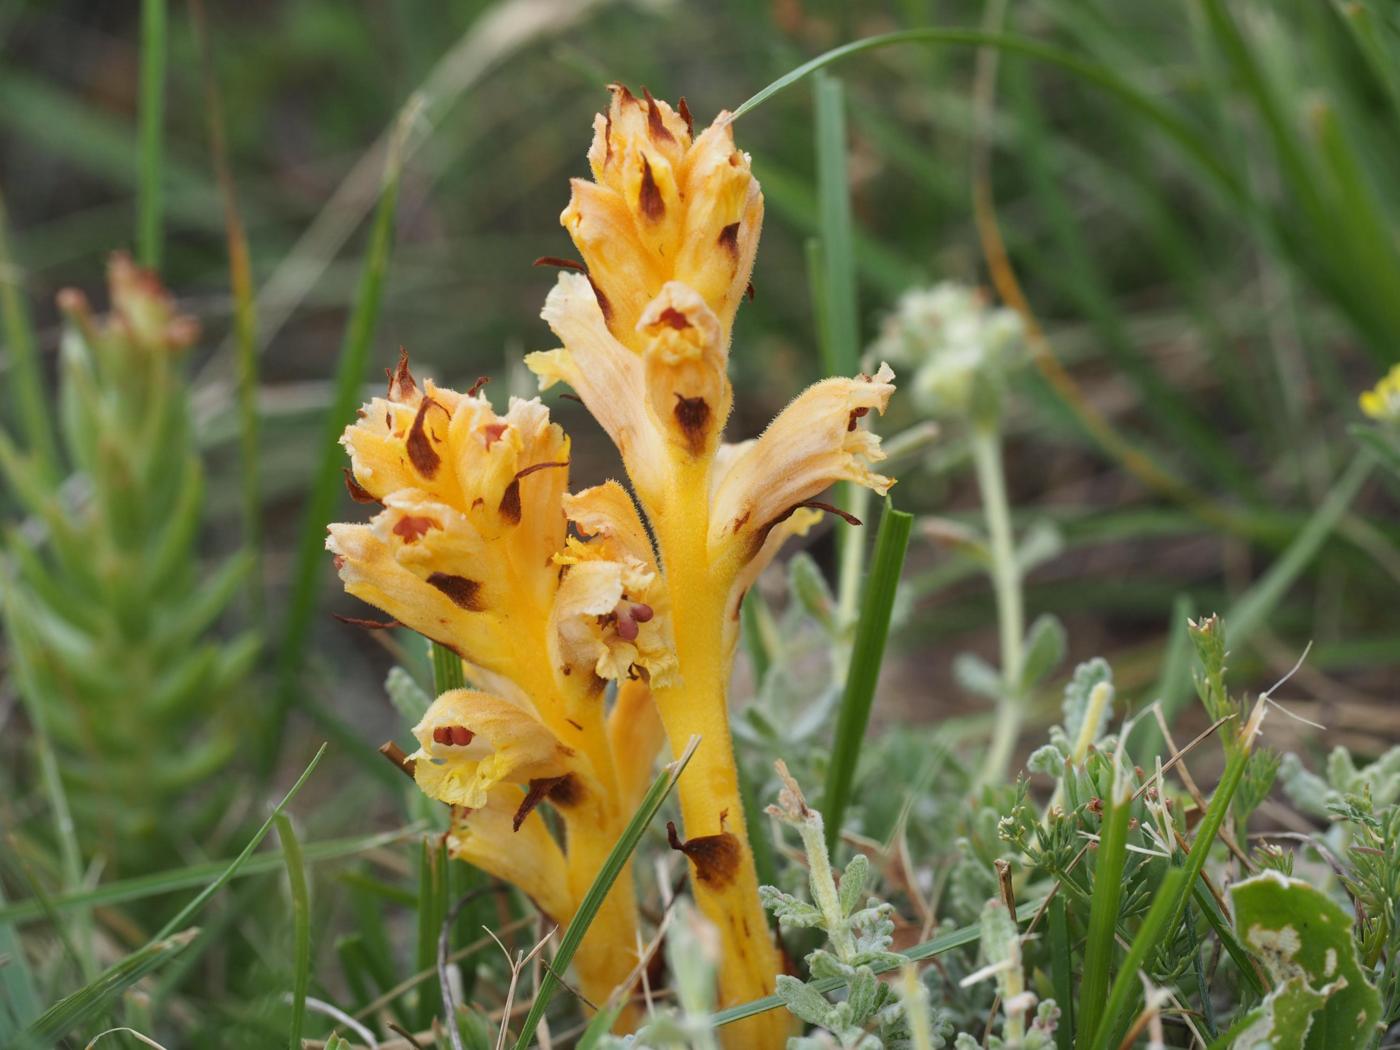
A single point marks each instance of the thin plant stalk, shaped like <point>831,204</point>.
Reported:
<point>1006,581</point>
<point>149,203</point>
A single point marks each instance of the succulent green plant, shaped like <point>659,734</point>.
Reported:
<point>108,604</point>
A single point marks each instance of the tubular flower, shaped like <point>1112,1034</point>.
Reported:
<point>668,229</point>
<point>470,548</point>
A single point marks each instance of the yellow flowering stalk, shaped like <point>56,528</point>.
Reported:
<point>668,229</point>
<point>471,549</point>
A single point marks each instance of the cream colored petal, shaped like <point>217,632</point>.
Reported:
<point>470,741</point>
<point>607,510</point>
<point>609,378</point>
<point>816,441</point>
<point>527,858</point>
<point>594,597</point>
<point>798,524</point>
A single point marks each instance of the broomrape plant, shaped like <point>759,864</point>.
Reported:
<point>547,596</point>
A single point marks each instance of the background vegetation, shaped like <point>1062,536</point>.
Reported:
<point>1195,203</point>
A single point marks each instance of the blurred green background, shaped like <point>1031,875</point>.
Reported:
<point>1199,202</point>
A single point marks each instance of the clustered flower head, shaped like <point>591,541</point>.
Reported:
<point>548,596</point>
<point>1382,401</point>
<point>959,345</point>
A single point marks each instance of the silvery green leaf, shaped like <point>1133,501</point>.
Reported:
<point>977,676</point>
<point>804,1001</point>
<point>862,999</point>
<point>1042,542</point>
<point>789,910</point>
<point>410,699</point>
<point>1076,702</point>
<point>1044,648</point>
<point>1048,760</point>
<point>809,588</point>
<point>853,882</point>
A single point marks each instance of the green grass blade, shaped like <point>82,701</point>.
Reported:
<point>188,911</point>
<point>1255,606</point>
<point>149,185</point>
<point>301,924</point>
<point>1154,927</point>
<point>930,949</point>
<point>21,1004</point>
<point>839,299</point>
<point>92,999</point>
<point>1101,946</point>
<point>1201,151</point>
<point>1061,969</point>
<point>350,373</point>
<point>447,669</point>
<point>26,373</point>
<point>144,887</point>
<point>245,322</point>
<point>593,899</point>
<point>1173,688</point>
<point>872,631</point>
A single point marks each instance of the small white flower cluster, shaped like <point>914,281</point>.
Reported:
<point>958,346</point>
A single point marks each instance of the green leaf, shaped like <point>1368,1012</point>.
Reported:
<point>1297,930</point>
<point>853,883</point>
<point>149,187</point>
<point>1045,647</point>
<point>1080,687</point>
<point>803,1000</point>
<point>974,674</point>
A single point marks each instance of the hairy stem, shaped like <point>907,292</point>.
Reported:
<point>724,880</point>
<point>1006,581</point>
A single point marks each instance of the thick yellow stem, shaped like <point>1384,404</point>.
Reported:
<point>724,880</point>
<point>608,953</point>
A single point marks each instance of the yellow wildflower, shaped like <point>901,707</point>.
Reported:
<point>471,549</point>
<point>1382,401</point>
<point>668,230</point>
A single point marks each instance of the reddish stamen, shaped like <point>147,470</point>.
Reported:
<point>642,612</point>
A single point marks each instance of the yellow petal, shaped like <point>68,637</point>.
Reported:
<point>607,510</point>
<point>596,627</point>
<point>451,609</point>
<point>528,858</point>
<point>796,524</point>
<point>686,368</point>
<point>608,377</point>
<point>816,441</point>
<point>470,741</point>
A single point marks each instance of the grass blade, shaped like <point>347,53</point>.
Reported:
<point>1255,606</point>
<point>148,190</point>
<point>26,379</point>
<point>193,906</point>
<point>21,1004</point>
<point>1062,969</point>
<point>1201,151</point>
<point>143,887</point>
<point>840,311</point>
<point>301,924</point>
<point>872,631</point>
<point>1103,910</point>
<point>447,669</point>
<point>89,1001</point>
<point>593,899</point>
<point>354,357</point>
<point>245,324</point>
